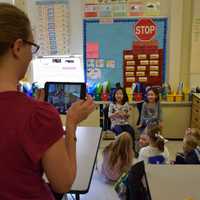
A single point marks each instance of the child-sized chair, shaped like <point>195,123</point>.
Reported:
<point>109,135</point>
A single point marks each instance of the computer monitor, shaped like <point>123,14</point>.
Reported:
<point>58,69</point>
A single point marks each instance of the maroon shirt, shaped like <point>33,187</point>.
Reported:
<point>27,129</point>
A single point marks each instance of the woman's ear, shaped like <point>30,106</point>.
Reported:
<point>16,48</point>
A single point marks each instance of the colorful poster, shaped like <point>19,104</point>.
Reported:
<point>91,10</point>
<point>92,50</point>
<point>145,29</point>
<point>110,64</point>
<point>93,73</point>
<point>152,8</point>
<point>135,9</point>
<point>91,63</point>
<point>52,32</point>
<point>100,63</point>
<point>119,9</point>
<point>105,10</point>
<point>130,45</point>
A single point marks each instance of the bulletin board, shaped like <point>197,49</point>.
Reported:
<point>106,43</point>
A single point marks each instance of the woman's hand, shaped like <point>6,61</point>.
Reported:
<point>79,111</point>
<point>139,126</point>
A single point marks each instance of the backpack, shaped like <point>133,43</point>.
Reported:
<point>137,183</point>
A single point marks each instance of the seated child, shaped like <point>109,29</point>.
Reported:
<point>118,113</point>
<point>156,146</point>
<point>143,140</point>
<point>117,157</point>
<point>191,148</point>
<point>194,132</point>
<point>151,109</point>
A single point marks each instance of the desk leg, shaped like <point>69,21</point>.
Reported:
<point>77,196</point>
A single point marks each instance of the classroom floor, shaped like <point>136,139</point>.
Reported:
<point>99,190</point>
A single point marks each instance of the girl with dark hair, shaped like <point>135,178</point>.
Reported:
<point>151,109</point>
<point>119,113</point>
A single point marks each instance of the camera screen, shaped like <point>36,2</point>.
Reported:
<point>62,95</point>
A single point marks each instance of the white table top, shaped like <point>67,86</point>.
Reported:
<point>88,139</point>
<point>174,182</point>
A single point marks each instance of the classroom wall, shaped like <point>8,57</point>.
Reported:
<point>179,13</point>
<point>7,1</point>
<point>182,47</point>
<point>179,42</point>
<point>195,46</point>
<point>186,42</point>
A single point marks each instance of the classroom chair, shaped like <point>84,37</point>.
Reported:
<point>138,187</point>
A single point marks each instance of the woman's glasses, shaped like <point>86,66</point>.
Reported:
<point>34,46</point>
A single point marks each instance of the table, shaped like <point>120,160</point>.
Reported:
<point>88,140</point>
<point>173,182</point>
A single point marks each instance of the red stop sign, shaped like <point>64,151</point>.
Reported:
<point>145,29</point>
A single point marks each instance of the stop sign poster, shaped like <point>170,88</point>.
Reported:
<point>136,47</point>
<point>145,29</point>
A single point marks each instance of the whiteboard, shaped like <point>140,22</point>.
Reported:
<point>58,69</point>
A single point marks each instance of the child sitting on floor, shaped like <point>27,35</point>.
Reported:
<point>117,157</point>
<point>191,148</point>
<point>143,140</point>
<point>156,146</point>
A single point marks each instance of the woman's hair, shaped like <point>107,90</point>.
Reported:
<point>121,148</point>
<point>156,138</point>
<point>14,24</point>
<point>189,143</point>
<point>155,91</point>
<point>125,96</point>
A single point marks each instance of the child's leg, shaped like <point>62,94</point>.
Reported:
<point>117,129</point>
<point>130,130</point>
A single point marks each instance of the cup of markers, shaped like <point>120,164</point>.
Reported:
<point>137,95</point>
